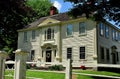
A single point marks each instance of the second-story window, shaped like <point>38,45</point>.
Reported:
<point>119,37</point>
<point>113,34</point>
<point>82,28</point>
<point>69,30</point>
<point>25,36</point>
<point>33,34</point>
<point>101,29</point>
<point>106,31</point>
<point>116,36</point>
<point>49,33</point>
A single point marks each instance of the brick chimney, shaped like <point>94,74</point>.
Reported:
<point>53,10</point>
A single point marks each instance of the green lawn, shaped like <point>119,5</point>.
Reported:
<point>98,72</point>
<point>53,75</point>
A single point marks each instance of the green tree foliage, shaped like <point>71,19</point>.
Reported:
<point>14,15</point>
<point>92,6</point>
<point>41,7</point>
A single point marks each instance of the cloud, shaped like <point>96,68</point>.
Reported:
<point>57,5</point>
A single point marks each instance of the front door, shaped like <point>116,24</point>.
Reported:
<point>48,56</point>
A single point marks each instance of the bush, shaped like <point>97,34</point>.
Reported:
<point>56,67</point>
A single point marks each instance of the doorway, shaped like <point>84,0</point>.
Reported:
<point>48,56</point>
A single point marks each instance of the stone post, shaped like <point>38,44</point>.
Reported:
<point>20,64</point>
<point>68,74</point>
<point>3,55</point>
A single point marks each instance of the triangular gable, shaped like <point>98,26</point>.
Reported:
<point>48,21</point>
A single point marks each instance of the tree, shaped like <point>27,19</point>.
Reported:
<point>98,8</point>
<point>14,15</point>
<point>41,7</point>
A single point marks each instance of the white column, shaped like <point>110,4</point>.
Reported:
<point>3,55</point>
<point>68,74</point>
<point>20,64</point>
<point>52,56</point>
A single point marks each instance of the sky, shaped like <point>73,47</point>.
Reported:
<point>61,5</point>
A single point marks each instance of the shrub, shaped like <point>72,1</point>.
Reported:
<point>82,67</point>
<point>56,67</point>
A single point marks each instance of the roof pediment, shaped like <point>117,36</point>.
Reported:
<point>48,21</point>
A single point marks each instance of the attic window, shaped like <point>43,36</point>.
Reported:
<point>49,22</point>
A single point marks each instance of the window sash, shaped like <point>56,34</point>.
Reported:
<point>25,36</point>
<point>101,26</point>
<point>106,31</point>
<point>82,28</point>
<point>107,54</point>
<point>69,30</point>
<point>82,53</point>
<point>33,34</point>
<point>102,52</point>
<point>69,53</point>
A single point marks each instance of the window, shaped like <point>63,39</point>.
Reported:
<point>116,35</point>
<point>113,34</point>
<point>102,52</point>
<point>45,34</point>
<point>107,54</point>
<point>49,33</point>
<point>25,36</point>
<point>69,53</point>
<point>33,34</point>
<point>101,29</point>
<point>82,52</point>
<point>117,56</point>
<point>106,31</point>
<point>32,54</point>
<point>69,30</point>
<point>82,28</point>
<point>119,37</point>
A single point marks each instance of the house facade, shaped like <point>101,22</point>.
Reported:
<point>59,37</point>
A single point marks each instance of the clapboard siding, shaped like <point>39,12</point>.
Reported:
<point>76,41</point>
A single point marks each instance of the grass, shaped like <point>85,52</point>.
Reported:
<point>53,75</point>
<point>98,72</point>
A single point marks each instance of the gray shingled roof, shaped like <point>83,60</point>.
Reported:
<point>59,17</point>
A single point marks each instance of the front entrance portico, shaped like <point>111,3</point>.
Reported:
<point>49,53</point>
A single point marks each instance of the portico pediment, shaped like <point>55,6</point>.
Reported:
<point>48,21</point>
<point>48,45</point>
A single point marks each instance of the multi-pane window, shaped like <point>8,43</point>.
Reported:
<point>102,52</point>
<point>69,53</point>
<point>49,34</point>
<point>32,54</point>
<point>107,54</point>
<point>25,36</point>
<point>82,28</point>
<point>116,35</point>
<point>82,53</point>
<point>33,34</point>
<point>106,31</point>
<point>113,34</point>
<point>119,36</point>
<point>117,54</point>
<point>69,29</point>
<point>101,29</point>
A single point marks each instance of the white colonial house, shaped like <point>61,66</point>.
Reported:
<point>59,37</point>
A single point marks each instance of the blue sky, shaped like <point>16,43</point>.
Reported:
<point>61,5</point>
